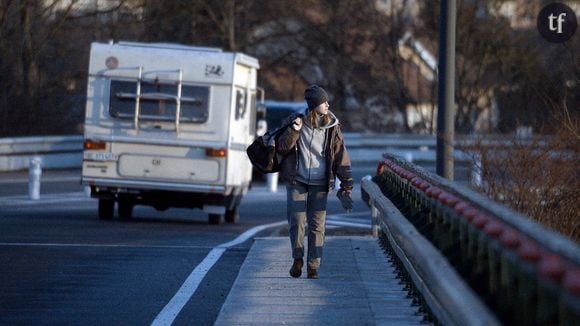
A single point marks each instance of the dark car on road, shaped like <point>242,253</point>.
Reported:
<point>277,111</point>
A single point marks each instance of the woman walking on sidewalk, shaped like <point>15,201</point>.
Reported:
<point>315,154</point>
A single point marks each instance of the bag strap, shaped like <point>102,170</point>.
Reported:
<point>283,127</point>
<point>280,129</point>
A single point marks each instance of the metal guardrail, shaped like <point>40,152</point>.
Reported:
<point>53,151</point>
<point>66,151</point>
<point>424,142</point>
<point>441,291</point>
<point>41,145</point>
<point>526,273</point>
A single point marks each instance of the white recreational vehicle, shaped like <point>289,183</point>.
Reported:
<point>167,126</point>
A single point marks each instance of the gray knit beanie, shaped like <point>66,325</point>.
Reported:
<point>314,96</point>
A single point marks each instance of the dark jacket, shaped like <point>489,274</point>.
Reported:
<point>337,159</point>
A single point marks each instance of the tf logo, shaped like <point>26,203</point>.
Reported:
<point>557,22</point>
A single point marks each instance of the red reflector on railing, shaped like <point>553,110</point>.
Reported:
<point>572,281</point>
<point>433,192</point>
<point>424,185</point>
<point>461,207</point>
<point>380,168</point>
<point>529,251</point>
<point>510,238</point>
<point>470,214</point>
<point>494,229</point>
<point>552,266</point>
<point>480,220</point>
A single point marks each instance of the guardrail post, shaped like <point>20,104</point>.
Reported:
<point>527,296</point>
<point>34,173</point>
<point>569,304</point>
<point>552,269</point>
<point>508,286</point>
<point>272,181</point>
<point>374,220</point>
<point>477,171</point>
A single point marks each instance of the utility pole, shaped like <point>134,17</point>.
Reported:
<point>446,92</point>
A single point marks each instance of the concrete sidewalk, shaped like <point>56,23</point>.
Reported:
<point>356,287</point>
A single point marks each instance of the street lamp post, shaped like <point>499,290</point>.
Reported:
<point>446,92</point>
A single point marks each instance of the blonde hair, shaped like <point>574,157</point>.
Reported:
<point>313,118</point>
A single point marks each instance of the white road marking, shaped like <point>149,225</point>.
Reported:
<point>351,220</point>
<point>350,215</point>
<point>342,220</point>
<point>187,289</point>
<point>96,245</point>
<point>45,199</point>
<point>354,225</point>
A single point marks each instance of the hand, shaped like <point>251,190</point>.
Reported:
<point>345,199</point>
<point>297,125</point>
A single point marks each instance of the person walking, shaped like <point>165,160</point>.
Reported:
<point>314,155</point>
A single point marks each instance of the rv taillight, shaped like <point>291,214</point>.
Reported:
<point>219,152</point>
<point>95,145</point>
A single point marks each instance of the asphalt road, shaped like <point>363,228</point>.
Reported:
<point>60,264</point>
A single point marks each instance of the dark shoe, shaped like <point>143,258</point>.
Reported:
<point>296,269</point>
<point>312,273</point>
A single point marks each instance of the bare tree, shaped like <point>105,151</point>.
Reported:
<point>496,61</point>
<point>44,51</point>
<point>350,47</point>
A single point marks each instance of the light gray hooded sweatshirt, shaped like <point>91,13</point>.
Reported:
<point>312,146</point>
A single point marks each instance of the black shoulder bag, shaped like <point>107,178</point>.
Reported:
<point>262,152</point>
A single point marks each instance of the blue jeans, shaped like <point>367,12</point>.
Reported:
<point>307,203</point>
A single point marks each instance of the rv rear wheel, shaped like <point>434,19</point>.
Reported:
<point>215,218</point>
<point>232,216</point>
<point>125,209</point>
<point>106,209</point>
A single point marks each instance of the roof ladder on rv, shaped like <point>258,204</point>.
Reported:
<point>178,100</point>
<point>138,98</point>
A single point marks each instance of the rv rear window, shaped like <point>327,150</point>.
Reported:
<point>158,101</point>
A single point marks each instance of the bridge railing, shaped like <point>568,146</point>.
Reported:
<point>435,286</point>
<point>525,273</point>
